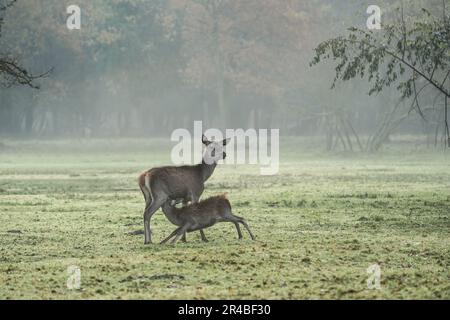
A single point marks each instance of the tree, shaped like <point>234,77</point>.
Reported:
<point>11,72</point>
<point>113,60</point>
<point>248,48</point>
<point>415,55</point>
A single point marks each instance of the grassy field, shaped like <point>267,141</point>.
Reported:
<point>320,223</point>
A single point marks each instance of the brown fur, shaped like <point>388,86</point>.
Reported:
<point>202,215</point>
<point>159,185</point>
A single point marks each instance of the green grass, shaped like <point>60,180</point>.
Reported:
<point>320,223</point>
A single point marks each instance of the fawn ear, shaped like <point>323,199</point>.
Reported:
<point>205,140</point>
<point>226,141</point>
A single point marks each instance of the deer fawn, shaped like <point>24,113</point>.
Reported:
<point>202,215</point>
<point>173,183</point>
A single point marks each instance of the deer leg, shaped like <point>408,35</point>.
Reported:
<point>202,234</point>
<point>238,229</point>
<point>194,199</point>
<point>146,194</point>
<point>171,235</point>
<point>236,220</point>
<point>182,230</point>
<point>248,228</point>
<point>185,204</point>
<point>150,209</point>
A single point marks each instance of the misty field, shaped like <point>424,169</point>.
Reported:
<point>320,223</point>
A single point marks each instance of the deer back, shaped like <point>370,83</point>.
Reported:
<point>177,182</point>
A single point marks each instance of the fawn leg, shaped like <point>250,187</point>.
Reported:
<point>185,203</point>
<point>238,229</point>
<point>237,219</point>
<point>248,228</point>
<point>171,235</point>
<point>202,234</point>
<point>180,233</point>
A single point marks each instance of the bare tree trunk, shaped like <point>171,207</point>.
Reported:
<point>446,122</point>
<point>355,134</point>
<point>221,92</point>
<point>205,117</point>
<point>28,120</point>
<point>345,130</point>
<point>219,67</point>
<point>436,134</point>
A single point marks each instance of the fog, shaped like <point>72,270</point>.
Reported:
<point>144,68</point>
<point>320,125</point>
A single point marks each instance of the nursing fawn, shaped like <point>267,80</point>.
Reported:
<point>201,215</point>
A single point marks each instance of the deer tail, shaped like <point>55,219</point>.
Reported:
<point>144,184</point>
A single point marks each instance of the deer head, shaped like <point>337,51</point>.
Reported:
<point>215,151</point>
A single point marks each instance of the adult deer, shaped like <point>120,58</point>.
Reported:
<point>172,183</point>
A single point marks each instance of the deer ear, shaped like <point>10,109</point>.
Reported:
<point>205,140</point>
<point>226,141</point>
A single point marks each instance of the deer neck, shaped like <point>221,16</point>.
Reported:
<point>207,170</point>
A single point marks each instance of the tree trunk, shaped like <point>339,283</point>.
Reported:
<point>221,93</point>
<point>28,120</point>
<point>446,122</point>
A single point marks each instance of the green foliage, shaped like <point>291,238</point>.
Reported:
<point>11,72</point>
<point>407,53</point>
